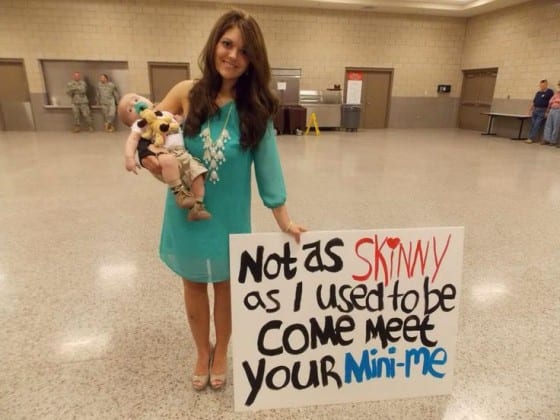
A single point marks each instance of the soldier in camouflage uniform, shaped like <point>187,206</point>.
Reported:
<point>107,97</point>
<point>76,89</point>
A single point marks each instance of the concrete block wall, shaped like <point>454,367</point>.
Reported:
<point>424,51</point>
<point>132,31</point>
<point>523,42</point>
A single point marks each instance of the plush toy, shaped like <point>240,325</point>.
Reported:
<point>155,125</point>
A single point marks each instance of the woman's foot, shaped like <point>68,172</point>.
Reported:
<point>201,375</point>
<point>199,382</point>
<point>218,371</point>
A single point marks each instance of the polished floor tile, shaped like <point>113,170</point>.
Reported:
<point>93,325</point>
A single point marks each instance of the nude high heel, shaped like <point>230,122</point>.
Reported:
<point>200,382</point>
<point>217,381</point>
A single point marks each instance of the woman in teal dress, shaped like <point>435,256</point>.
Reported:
<point>228,127</point>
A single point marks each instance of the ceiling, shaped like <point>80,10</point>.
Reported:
<point>458,8</point>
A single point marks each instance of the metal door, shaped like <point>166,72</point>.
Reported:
<point>15,102</point>
<point>163,76</point>
<point>477,94</point>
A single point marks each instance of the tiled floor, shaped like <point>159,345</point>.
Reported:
<point>93,325</point>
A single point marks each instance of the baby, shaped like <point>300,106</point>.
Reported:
<point>184,174</point>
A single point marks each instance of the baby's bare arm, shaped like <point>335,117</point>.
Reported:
<point>129,152</point>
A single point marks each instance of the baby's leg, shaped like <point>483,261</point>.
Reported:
<point>198,212</point>
<point>171,176</point>
<point>169,169</point>
<point>197,187</point>
<point>193,172</point>
<point>192,176</point>
<point>148,159</point>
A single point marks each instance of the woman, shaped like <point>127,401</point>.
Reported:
<point>228,127</point>
<point>551,133</point>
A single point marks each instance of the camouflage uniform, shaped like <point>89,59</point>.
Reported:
<point>108,97</point>
<point>80,103</point>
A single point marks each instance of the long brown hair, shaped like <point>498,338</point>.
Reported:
<point>255,101</point>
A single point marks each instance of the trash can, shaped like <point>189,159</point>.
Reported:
<point>295,119</point>
<point>280,120</point>
<point>350,117</point>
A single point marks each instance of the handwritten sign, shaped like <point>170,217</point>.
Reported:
<point>344,316</point>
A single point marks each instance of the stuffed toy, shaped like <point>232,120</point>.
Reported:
<point>155,125</point>
<point>156,137</point>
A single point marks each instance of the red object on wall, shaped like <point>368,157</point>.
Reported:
<point>354,75</point>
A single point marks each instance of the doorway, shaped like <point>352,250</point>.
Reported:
<point>16,112</point>
<point>163,76</point>
<point>375,96</point>
<point>477,94</point>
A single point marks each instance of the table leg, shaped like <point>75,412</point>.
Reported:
<point>489,128</point>
<point>520,131</point>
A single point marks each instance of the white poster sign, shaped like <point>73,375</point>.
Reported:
<point>354,94</point>
<point>344,316</point>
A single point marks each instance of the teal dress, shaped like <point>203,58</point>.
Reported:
<point>199,250</point>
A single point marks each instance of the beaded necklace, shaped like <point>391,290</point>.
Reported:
<point>214,149</point>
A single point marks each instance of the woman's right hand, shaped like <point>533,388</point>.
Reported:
<point>151,164</point>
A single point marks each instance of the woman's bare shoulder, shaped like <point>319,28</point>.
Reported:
<point>183,88</point>
<point>176,100</point>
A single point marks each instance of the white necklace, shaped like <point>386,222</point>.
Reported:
<point>214,149</point>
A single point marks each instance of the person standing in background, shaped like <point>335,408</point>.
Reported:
<point>552,128</point>
<point>107,97</point>
<point>76,89</point>
<point>538,109</point>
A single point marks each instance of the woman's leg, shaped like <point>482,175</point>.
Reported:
<point>198,315</point>
<point>555,135</point>
<point>222,323</point>
<point>547,135</point>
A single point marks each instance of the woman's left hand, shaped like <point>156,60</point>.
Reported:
<point>295,230</point>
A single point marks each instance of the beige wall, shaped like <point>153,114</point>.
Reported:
<point>424,51</point>
<point>133,31</point>
<point>522,41</point>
